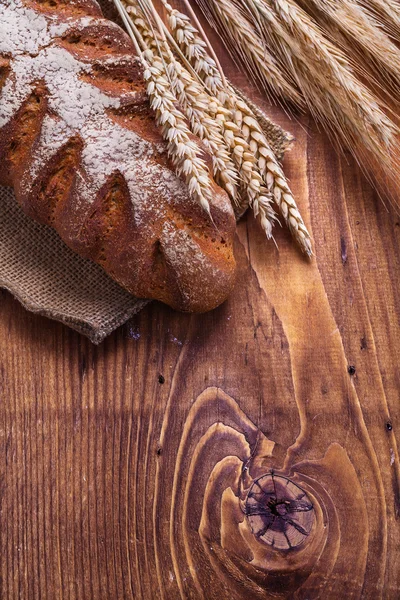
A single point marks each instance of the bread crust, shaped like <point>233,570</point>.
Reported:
<point>126,210</point>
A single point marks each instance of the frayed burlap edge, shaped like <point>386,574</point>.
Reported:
<point>96,336</point>
<point>51,280</point>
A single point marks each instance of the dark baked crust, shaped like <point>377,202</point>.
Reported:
<point>171,251</point>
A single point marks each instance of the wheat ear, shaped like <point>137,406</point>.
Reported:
<point>195,50</point>
<point>279,143</point>
<point>253,192</point>
<point>184,153</point>
<point>195,103</point>
<point>182,149</point>
<point>347,108</point>
<point>387,13</point>
<point>249,144</point>
<point>197,107</point>
<point>238,33</point>
<point>272,174</point>
<point>358,32</point>
<point>253,189</point>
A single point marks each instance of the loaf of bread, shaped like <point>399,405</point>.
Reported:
<point>79,145</point>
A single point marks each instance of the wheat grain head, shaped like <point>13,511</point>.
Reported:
<point>358,32</point>
<point>387,13</point>
<point>183,151</point>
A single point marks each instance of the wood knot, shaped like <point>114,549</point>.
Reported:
<point>279,512</point>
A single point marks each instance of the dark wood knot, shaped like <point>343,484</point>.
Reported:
<point>279,512</point>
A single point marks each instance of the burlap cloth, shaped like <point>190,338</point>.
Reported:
<point>49,279</point>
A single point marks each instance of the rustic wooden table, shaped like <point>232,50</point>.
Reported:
<point>125,468</point>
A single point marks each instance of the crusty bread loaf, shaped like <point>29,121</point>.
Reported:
<point>79,144</point>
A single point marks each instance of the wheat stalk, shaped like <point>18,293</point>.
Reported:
<point>195,102</point>
<point>327,70</point>
<point>348,109</point>
<point>198,107</point>
<point>183,151</point>
<point>387,13</point>
<point>358,32</point>
<point>248,174</point>
<point>253,154</point>
<point>195,49</point>
<point>214,115</point>
<point>272,174</point>
<point>279,143</point>
<point>241,41</point>
<point>306,52</point>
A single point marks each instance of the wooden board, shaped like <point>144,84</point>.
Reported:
<point>125,469</point>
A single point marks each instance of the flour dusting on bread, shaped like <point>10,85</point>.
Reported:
<point>23,30</point>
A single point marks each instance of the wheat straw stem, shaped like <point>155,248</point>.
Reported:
<point>128,25</point>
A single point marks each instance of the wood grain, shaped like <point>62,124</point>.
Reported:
<point>125,468</point>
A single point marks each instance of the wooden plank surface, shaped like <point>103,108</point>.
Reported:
<point>125,468</point>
